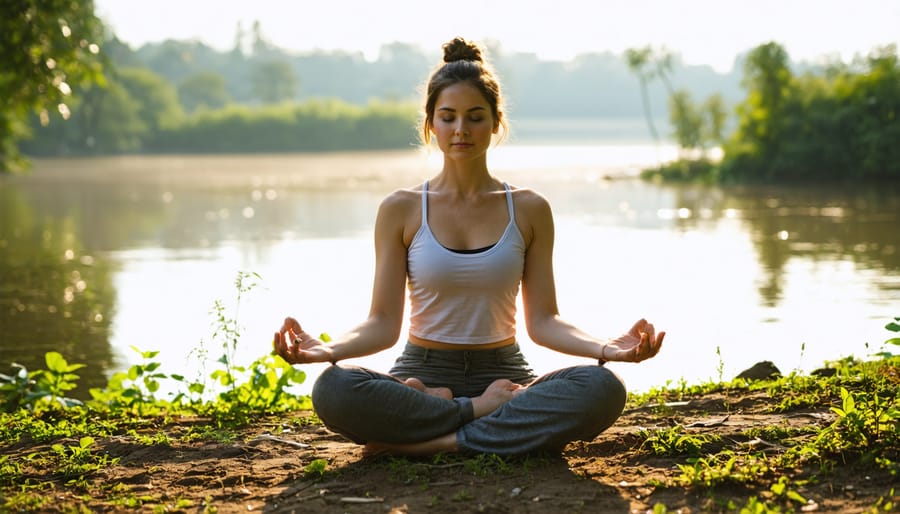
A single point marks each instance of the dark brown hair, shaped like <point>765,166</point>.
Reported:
<point>463,62</point>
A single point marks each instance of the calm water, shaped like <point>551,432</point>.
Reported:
<point>97,255</point>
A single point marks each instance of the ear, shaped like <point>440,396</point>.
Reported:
<point>497,124</point>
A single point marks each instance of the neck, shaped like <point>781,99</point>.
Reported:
<point>467,177</point>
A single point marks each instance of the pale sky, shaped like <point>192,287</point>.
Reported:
<point>703,31</point>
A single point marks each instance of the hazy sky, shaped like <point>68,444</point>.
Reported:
<point>702,31</point>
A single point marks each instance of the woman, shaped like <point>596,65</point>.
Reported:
<point>463,242</point>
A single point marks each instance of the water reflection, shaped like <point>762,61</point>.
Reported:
<point>54,295</point>
<point>854,223</point>
<point>100,254</point>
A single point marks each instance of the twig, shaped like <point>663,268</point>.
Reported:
<point>267,437</point>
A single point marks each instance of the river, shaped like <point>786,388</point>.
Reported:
<point>101,254</point>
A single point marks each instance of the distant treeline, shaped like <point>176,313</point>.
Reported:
<point>183,96</point>
<point>791,121</point>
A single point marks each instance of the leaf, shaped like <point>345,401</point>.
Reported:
<point>56,362</point>
<point>794,495</point>
<point>325,337</point>
<point>895,340</point>
<point>893,326</point>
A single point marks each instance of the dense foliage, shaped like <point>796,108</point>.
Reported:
<point>48,49</point>
<point>842,122</point>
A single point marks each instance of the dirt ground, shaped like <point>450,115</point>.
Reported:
<point>271,467</point>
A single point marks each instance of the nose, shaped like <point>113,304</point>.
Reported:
<point>461,129</point>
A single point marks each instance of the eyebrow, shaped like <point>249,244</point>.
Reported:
<point>450,109</point>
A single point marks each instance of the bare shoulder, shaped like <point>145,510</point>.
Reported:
<point>530,202</point>
<point>533,214</point>
<point>400,202</point>
<point>400,213</point>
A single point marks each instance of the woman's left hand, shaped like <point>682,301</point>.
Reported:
<point>638,344</point>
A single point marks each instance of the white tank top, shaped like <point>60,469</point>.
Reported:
<point>464,298</point>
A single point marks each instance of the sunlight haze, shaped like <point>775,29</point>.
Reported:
<point>701,31</point>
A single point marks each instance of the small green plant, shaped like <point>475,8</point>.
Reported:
<point>134,389</point>
<point>756,506</point>
<point>45,387</point>
<point>720,368</point>
<point>674,441</point>
<point>9,470</point>
<point>782,489</point>
<point>316,468</point>
<point>75,461</point>
<point>486,464</point>
<point>725,467</point>
<point>893,326</point>
<point>863,420</point>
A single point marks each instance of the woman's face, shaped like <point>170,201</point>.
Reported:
<point>463,122</point>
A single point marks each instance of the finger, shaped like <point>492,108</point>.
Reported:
<point>276,340</point>
<point>281,348</point>
<point>292,324</point>
<point>659,341</point>
<point>637,327</point>
<point>638,350</point>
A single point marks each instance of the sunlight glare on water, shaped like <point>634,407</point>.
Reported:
<point>734,275</point>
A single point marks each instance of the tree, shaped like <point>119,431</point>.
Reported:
<point>649,64</point>
<point>687,119</point>
<point>755,147</point>
<point>274,81</point>
<point>203,90</point>
<point>638,62</point>
<point>47,48</point>
<point>715,117</point>
<point>155,97</point>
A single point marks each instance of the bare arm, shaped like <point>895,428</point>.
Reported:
<point>381,329</point>
<point>542,320</point>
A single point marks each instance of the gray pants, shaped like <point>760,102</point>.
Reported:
<point>574,403</point>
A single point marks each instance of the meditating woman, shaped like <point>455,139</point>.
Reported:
<point>463,243</point>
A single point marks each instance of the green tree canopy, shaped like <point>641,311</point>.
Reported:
<point>47,48</point>
<point>156,98</point>
<point>842,124</point>
<point>274,81</point>
<point>203,90</point>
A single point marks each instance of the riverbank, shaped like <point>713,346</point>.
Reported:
<point>824,442</point>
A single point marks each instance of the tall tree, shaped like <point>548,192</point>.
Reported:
<point>639,62</point>
<point>47,47</point>
<point>763,116</point>
<point>649,64</point>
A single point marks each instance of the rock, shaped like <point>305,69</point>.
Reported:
<point>760,371</point>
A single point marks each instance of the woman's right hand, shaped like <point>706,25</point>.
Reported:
<point>295,346</point>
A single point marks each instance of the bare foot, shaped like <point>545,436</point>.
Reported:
<point>496,394</point>
<point>443,444</point>
<point>440,392</point>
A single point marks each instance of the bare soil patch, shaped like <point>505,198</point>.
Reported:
<point>276,466</point>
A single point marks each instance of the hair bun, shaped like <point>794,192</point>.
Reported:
<point>461,50</point>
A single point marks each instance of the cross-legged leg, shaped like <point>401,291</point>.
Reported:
<point>570,404</point>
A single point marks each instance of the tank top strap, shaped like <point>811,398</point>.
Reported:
<point>425,203</point>
<point>509,203</point>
